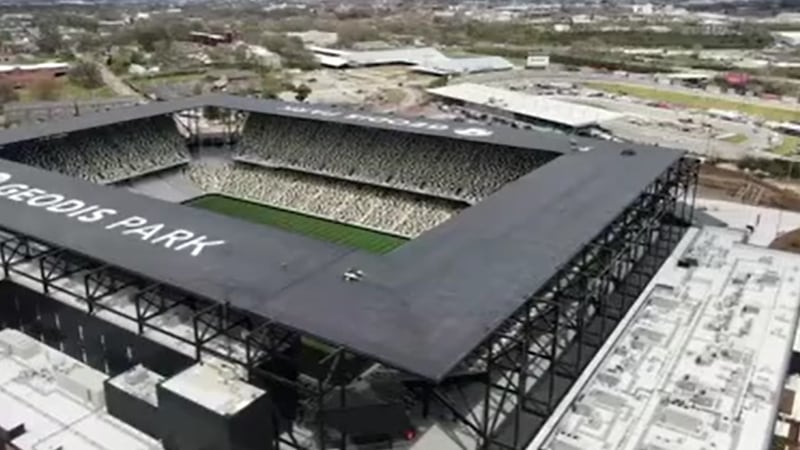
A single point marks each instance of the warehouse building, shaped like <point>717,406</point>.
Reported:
<point>21,75</point>
<point>422,59</point>
<point>537,110</point>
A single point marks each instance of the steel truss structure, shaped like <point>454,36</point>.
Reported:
<point>530,362</point>
<point>231,124</point>
<point>521,371</point>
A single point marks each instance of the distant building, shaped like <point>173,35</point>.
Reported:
<point>315,37</point>
<point>787,38</point>
<point>715,27</point>
<point>422,59</point>
<point>11,17</point>
<point>537,62</point>
<point>112,23</point>
<point>645,9</point>
<point>693,79</point>
<point>783,17</point>
<point>25,74</point>
<point>463,66</point>
<point>210,38</point>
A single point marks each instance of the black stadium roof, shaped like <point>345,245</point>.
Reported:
<point>327,113</point>
<point>421,308</point>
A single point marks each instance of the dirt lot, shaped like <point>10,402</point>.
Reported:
<point>737,186</point>
<point>385,88</point>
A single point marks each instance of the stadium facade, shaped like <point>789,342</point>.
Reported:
<point>473,331</point>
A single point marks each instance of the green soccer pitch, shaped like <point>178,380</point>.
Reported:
<point>326,230</point>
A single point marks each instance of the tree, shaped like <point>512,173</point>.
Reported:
<point>46,89</point>
<point>350,33</point>
<point>8,93</point>
<point>592,43</point>
<point>302,92</point>
<point>86,74</point>
<point>5,37</point>
<point>78,21</point>
<point>241,56</point>
<point>119,65</point>
<point>162,52</point>
<point>272,85</point>
<point>147,36</point>
<point>50,40</point>
<point>89,41</point>
<point>291,50</point>
<point>438,82</point>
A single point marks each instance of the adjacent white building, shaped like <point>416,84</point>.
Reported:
<point>535,109</point>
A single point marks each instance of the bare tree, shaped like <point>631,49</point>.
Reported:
<point>302,92</point>
<point>86,74</point>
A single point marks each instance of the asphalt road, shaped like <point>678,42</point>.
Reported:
<point>116,84</point>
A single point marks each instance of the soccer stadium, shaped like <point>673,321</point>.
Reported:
<point>324,278</point>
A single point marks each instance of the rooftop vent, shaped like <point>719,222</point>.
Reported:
<point>686,263</point>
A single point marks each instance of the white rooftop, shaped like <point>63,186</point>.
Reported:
<point>59,400</point>
<point>690,76</point>
<point>331,61</point>
<point>214,388</point>
<point>39,66</point>
<point>535,106</point>
<point>424,59</point>
<point>767,223</point>
<point>789,36</point>
<point>464,65</point>
<point>701,360</point>
<point>415,55</point>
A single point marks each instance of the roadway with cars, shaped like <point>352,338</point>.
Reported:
<point>692,129</point>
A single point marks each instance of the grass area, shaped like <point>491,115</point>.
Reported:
<point>699,101</point>
<point>160,80</point>
<point>70,91</point>
<point>735,138</point>
<point>394,95</point>
<point>788,147</point>
<point>779,443</point>
<point>77,92</point>
<point>326,230</point>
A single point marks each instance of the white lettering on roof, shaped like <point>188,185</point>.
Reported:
<point>131,227</point>
<point>400,122</point>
